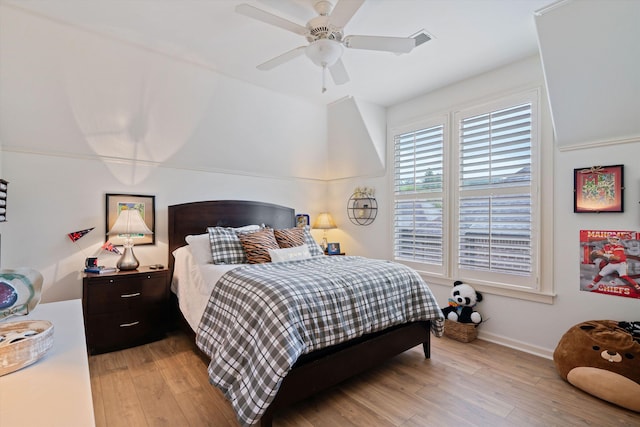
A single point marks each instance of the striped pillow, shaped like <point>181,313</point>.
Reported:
<point>256,245</point>
<point>289,237</point>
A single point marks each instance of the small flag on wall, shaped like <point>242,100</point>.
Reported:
<point>108,246</point>
<point>79,234</point>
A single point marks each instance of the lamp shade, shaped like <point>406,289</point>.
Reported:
<point>324,222</point>
<point>130,222</point>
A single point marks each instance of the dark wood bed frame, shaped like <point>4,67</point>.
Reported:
<point>315,371</point>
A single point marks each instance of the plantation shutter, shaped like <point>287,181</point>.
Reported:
<point>495,192</point>
<point>418,189</point>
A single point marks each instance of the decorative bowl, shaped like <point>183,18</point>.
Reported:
<point>23,343</point>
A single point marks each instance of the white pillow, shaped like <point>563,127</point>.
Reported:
<point>289,254</point>
<point>248,228</point>
<point>200,248</point>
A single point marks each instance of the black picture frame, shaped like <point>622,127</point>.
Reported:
<point>333,248</point>
<point>598,189</point>
<point>143,203</point>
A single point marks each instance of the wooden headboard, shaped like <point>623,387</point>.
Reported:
<point>195,217</point>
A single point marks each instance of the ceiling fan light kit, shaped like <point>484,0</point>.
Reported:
<point>326,38</point>
<point>324,52</point>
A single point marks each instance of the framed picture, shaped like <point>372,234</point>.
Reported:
<point>598,189</point>
<point>333,248</point>
<point>146,205</point>
<point>302,220</point>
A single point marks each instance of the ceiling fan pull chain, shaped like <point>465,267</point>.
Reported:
<point>324,78</point>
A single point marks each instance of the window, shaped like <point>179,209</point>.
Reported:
<point>419,185</point>
<point>465,201</point>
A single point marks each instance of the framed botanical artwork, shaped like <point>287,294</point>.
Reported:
<point>302,220</point>
<point>146,205</point>
<point>598,189</point>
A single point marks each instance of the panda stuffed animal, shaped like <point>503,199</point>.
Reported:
<point>463,299</point>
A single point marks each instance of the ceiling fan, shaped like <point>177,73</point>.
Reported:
<point>326,38</point>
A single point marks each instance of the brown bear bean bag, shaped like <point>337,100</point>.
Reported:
<point>602,358</point>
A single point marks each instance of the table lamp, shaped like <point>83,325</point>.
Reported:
<point>129,223</point>
<point>324,222</point>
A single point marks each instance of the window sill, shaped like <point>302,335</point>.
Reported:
<point>523,294</point>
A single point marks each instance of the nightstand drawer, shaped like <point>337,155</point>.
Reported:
<point>113,294</point>
<point>123,329</point>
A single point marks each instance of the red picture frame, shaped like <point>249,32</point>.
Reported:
<point>598,189</point>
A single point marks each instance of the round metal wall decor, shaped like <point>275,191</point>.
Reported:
<point>362,209</point>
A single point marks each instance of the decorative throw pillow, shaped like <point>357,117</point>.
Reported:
<point>289,237</point>
<point>256,245</point>
<point>289,254</point>
<point>225,245</point>
<point>314,248</point>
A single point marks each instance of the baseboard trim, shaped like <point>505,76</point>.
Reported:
<point>517,345</point>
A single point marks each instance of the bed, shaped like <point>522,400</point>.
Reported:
<point>318,369</point>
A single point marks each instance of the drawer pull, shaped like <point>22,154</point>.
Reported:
<point>137,294</point>
<point>126,325</point>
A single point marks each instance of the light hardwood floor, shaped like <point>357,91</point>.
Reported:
<point>463,384</point>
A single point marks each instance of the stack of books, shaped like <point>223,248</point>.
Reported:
<point>101,269</point>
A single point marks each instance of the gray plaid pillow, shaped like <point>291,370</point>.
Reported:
<point>226,248</point>
<point>314,248</point>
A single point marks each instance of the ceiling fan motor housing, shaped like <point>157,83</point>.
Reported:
<point>320,28</point>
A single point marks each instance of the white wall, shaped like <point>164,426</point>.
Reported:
<point>532,326</point>
<point>51,196</point>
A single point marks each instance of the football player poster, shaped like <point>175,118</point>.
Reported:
<point>610,262</point>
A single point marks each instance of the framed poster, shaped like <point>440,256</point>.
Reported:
<point>146,205</point>
<point>598,189</point>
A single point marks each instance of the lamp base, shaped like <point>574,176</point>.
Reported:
<point>128,260</point>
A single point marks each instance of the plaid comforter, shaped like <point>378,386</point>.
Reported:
<point>261,318</point>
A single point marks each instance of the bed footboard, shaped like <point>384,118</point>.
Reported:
<point>314,374</point>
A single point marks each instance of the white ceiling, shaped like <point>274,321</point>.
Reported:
<point>469,37</point>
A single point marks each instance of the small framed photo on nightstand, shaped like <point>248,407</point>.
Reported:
<point>333,249</point>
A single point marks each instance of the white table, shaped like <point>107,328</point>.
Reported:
<point>56,390</point>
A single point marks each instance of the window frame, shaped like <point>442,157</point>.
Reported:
<point>508,281</point>
<point>533,289</point>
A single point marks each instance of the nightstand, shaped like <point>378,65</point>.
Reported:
<point>125,309</point>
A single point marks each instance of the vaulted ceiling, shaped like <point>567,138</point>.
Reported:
<point>468,38</point>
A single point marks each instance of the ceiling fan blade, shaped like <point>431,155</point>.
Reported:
<point>281,59</point>
<point>388,44</point>
<point>269,18</point>
<point>300,10</point>
<point>344,11</point>
<point>339,73</point>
